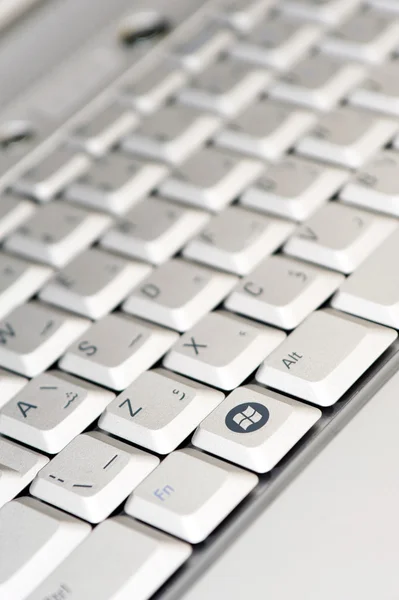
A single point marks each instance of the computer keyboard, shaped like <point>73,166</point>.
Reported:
<point>192,278</point>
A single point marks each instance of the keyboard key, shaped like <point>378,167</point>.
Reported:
<point>283,291</point>
<point>10,385</point>
<point>203,47</point>
<point>18,466</point>
<point>116,350</point>
<point>92,476</point>
<point>243,15</point>
<point>189,494</point>
<point>376,185</point>
<point>324,356</point>
<point>50,176</point>
<point>139,235</point>
<point>51,410</point>
<point>159,410</point>
<point>52,536</point>
<point>13,212</point>
<point>318,81</point>
<point>266,130</point>
<point>222,349</point>
<point>339,237</point>
<point>94,283</point>
<point>150,91</point>
<point>19,280</point>
<point>388,5</point>
<point>57,233</point>
<point>367,36</point>
<point>172,133</point>
<point>100,132</point>
<point>373,290</point>
<point>238,239</point>
<point>116,182</point>
<point>145,559</point>
<point>178,294</point>
<point>33,336</point>
<point>278,42</point>
<point>255,427</point>
<point>380,91</point>
<point>226,87</point>
<point>347,137</point>
<point>294,188</point>
<point>211,179</point>
<point>329,12</point>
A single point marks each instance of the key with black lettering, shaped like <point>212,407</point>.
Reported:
<point>116,350</point>
<point>159,410</point>
<point>10,384</point>
<point>92,475</point>
<point>33,336</point>
<point>339,237</point>
<point>51,410</point>
<point>178,293</point>
<point>324,356</point>
<point>222,349</point>
<point>56,233</point>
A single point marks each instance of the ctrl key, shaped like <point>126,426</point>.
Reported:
<point>189,494</point>
<point>120,559</point>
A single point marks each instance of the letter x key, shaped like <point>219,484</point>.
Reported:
<point>195,346</point>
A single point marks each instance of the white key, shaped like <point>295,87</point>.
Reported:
<point>34,539</point>
<point>388,5</point>
<point>203,47</point>
<point>266,130</point>
<point>18,466</point>
<point>211,179</point>
<point>222,349</point>
<point>376,185</point>
<point>51,410</point>
<point>283,291</point>
<point>139,235</point>
<point>319,81</point>
<point>178,294</point>
<point>10,385</point>
<point>34,335</point>
<point>367,36</point>
<point>116,182</point>
<point>19,280</point>
<point>159,410</point>
<point>294,188</point>
<point>243,15</point>
<point>347,137</point>
<point>238,239</point>
<point>116,350</point>
<point>373,290</point>
<point>13,212</point>
<point>50,176</point>
<point>324,356</point>
<point>147,93</point>
<point>278,42</point>
<point>255,427</point>
<point>339,237</point>
<point>189,494</point>
<point>92,476</point>
<point>226,87</point>
<point>100,132</point>
<point>380,91</point>
<point>172,133</point>
<point>145,559</point>
<point>329,12</point>
<point>94,283</point>
<point>57,233</point>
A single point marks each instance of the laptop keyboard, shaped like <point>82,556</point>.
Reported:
<point>189,280</point>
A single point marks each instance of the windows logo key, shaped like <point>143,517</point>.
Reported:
<point>246,418</point>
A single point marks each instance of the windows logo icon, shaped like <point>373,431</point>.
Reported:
<point>246,418</point>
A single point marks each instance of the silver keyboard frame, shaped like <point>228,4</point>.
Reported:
<point>186,15</point>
